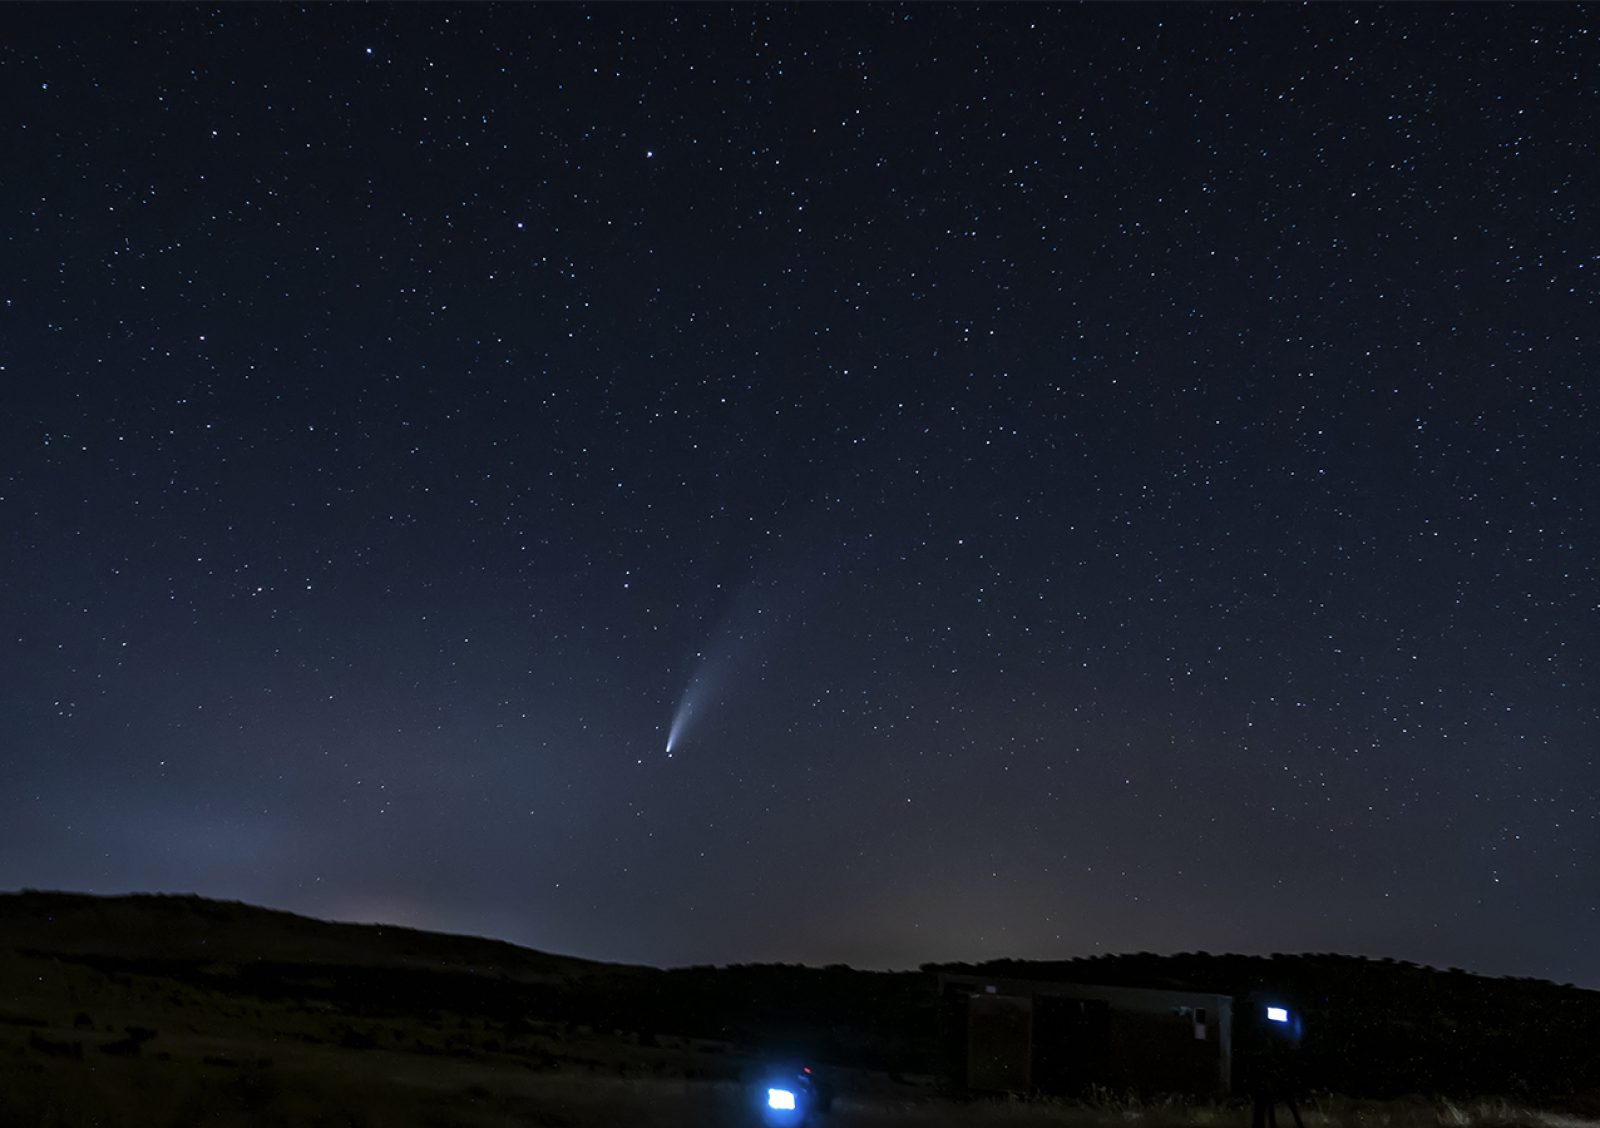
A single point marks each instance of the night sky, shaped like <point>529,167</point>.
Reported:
<point>869,484</point>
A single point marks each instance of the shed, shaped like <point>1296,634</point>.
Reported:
<point>1030,1035</point>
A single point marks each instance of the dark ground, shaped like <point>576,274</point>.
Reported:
<point>173,1010</point>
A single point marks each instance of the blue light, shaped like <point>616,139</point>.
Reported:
<point>1277,1014</point>
<point>780,1098</point>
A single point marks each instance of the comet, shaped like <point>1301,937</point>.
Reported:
<point>679,718</point>
<point>682,715</point>
<point>732,645</point>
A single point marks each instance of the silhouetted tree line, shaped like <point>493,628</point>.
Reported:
<point>1382,1028</point>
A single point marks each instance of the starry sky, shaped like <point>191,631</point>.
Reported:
<point>873,484</point>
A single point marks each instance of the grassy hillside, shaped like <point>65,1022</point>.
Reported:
<point>182,1011</point>
<point>870,1019</point>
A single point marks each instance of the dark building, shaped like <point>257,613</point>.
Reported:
<point>1029,1035</point>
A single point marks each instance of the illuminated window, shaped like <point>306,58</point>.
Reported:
<point>1277,1014</point>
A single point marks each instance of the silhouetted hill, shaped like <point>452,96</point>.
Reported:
<point>187,929</point>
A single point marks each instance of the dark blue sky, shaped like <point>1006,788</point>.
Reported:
<point>1085,479</point>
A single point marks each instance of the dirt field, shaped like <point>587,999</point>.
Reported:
<point>202,1081</point>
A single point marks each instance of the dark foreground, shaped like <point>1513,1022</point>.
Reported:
<point>178,1011</point>
<point>387,1089</point>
